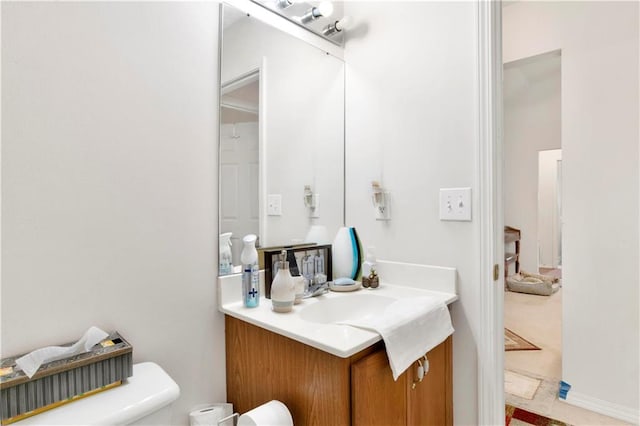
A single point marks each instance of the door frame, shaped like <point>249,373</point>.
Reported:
<point>491,399</point>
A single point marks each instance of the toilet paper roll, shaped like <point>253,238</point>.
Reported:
<point>273,413</point>
<point>209,416</point>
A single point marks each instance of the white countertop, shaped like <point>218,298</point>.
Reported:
<point>339,340</point>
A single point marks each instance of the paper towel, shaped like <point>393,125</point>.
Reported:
<point>273,413</point>
<point>30,362</point>
<point>210,414</point>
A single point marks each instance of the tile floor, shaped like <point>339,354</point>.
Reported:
<point>538,319</point>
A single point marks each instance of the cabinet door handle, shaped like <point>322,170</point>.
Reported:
<point>421,371</point>
<point>419,374</point>
<point>425,364</point>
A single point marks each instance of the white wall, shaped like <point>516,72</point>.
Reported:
<point>549,171</point>
<point>109,182</point>
<point>599,42</point>
<point>531,124</point>
<point>411,114</point>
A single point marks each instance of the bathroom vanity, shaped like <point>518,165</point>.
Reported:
<point>323,389</point>
<point>326,372</point>
<point>333,374</point>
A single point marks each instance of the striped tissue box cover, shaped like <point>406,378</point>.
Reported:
<point>62,381</point>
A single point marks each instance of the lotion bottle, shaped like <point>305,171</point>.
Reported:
<point>283,292</point>
<point>250,272</point>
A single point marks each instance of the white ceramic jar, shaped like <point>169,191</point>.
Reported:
<point>283,291</point>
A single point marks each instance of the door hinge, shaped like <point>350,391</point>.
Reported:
<point>496,272</point>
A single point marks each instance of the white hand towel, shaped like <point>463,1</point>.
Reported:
<point>410,328</point>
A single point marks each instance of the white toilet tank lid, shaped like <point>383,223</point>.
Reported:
<point>148,390</point>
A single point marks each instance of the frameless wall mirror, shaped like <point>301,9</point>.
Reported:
<point>281,156</point>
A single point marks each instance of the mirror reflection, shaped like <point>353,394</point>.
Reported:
<point>281,138</point>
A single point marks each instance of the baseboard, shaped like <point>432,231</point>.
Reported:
<point>604,407</point>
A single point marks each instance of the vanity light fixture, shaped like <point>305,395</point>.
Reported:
<point>324,9</point>
<point>380,199</point>
<point>337,26</point>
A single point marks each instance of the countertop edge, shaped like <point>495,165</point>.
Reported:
<point>231,309</point>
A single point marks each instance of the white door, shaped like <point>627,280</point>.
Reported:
<point>239,182</point>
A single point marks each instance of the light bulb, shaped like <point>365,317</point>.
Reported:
<point>337,26</point>
<point>344,23</point>
<point>325,8</point>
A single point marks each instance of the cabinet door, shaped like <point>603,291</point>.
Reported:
<point>377,400</point>
<point>430,401</point>
<point>262,366</point>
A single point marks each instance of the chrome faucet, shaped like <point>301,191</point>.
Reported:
<point>319,285</point>
<point>316,289</point>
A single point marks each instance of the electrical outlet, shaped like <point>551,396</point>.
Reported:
<point>274,205</point>
<point>455,204</point>
<point>383,211</point>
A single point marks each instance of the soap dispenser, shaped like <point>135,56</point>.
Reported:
<point>250,272</point>
<point>283,291</point>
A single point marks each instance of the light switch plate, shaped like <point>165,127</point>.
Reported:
<point>455,204</point>
<point>274,205</point>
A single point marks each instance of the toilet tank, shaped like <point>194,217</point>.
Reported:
<point>139,400</point>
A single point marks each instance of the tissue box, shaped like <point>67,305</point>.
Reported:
<point>62,381</point>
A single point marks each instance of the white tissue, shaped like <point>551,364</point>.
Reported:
<point>30,362</point>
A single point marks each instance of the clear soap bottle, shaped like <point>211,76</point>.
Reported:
<point>283,292</point>
<point>226,260</point>
<point>250,272</point>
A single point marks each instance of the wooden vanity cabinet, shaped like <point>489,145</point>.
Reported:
<point>379,400</point>
<point>323,389</point>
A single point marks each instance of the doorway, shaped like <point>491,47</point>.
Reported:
<point>239,159</point>
<point>595,321</point>
<point>532,206</point>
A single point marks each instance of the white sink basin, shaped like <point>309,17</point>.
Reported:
<point>347,307</point>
